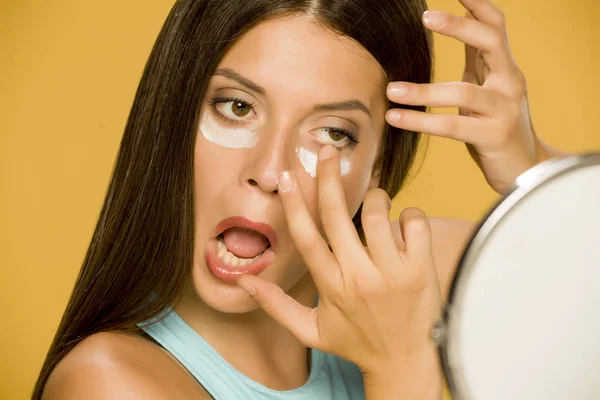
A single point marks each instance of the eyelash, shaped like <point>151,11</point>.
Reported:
<point>219,100</point>
<point>351,137</point>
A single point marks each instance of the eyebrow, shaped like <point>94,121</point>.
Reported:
<point>234,76</point>
<point>348,105</point>
<point>343,106</point>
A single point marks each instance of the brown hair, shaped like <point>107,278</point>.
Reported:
<point>140,255</point>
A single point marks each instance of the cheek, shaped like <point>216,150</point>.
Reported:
<point>231,138</point>
<point>214,168</point>
<point>308,159</point>
<point>355,185</point>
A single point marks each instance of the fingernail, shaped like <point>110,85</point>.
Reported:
<point>398,89</point>
<point>326,152</point>
<point>393,116</point>
<point>286,182</point>
<point>435,18</point>
<point>248,288</point>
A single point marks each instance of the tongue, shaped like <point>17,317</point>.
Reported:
<point>244,243</point>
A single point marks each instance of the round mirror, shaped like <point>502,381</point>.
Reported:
<point>523,317</point>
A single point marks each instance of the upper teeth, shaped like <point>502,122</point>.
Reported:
<point>230,258</point>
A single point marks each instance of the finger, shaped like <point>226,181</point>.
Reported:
<point>378,233</point>
<point>465,129</point>
<point>449,94</point>
<point>296,318</point>
<point>491,41</point>
<point>486,12</point>
<point>397,233</point>
<point>337,224</point>
<point>470,73</point>
<point>416,232</point>
<point>304,233</point>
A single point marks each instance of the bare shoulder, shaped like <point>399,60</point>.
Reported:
<point>450,238</point>
<point>112,365</point>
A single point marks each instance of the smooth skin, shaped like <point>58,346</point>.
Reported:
<point>395,285</point>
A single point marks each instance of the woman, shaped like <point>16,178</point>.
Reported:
<point>258,131</point>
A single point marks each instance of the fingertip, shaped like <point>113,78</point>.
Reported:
<point>397,90</point>
<point>435,19</point>
<point>414,221</point>
<point>377,199</point>
<point>328,164</point>
<point>393,116</point>
<point>286,182</point>
<point>326,152</point>
<point>412,213</point>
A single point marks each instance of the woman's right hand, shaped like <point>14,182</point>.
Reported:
<point>377,304</point>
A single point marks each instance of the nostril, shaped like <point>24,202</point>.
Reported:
<point>252,182</point>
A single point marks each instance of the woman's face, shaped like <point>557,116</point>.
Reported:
<point>283,91</point>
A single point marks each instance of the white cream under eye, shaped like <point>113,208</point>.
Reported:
<point>231,138</point>
<point>309,159</point>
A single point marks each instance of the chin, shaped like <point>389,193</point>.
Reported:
<point>227,297</point>
<point>221,296</point>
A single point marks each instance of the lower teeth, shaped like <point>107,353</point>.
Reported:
<point>230,259</point>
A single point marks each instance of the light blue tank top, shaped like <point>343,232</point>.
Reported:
<point>331,378</point>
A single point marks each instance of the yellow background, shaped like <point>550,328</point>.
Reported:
<point>68,73</point>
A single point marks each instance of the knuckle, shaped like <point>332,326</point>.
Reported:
<point>467,94</point>
<point>330,220</point>
<point>520,82</point>
<point>450,123</point>
<point>417,280</point>
<point>337,298</point>
<point>498,17</point>
<point>270,308</point>
<point>376,200</point>
<point>501,18</point>
<point>512,116</point>
<point>306,243</point>
<point>497,40</point>
<point>415,91</point>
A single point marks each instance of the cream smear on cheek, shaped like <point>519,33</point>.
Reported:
<point>232,138</point>
<point>308,159</point>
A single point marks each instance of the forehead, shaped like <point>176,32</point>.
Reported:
<point>302,57</point>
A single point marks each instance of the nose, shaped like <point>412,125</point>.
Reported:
<point>267,161</point>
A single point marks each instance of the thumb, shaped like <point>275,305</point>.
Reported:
<point>300,320</point>
<point>416,232</point>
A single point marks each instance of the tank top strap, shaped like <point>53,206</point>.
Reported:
<point>331,378</point>
<point>215,374</point>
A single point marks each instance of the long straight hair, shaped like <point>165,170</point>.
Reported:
<point>140,256</point>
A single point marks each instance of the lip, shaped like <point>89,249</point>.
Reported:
<point>241,222</point>
<point>231,274</point>
<point>228,273</point>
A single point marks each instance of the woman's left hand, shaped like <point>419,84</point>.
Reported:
<point>494,119</point>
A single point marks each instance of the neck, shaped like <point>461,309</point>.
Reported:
<point>254,343</point>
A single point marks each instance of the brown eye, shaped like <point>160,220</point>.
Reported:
<point>336,135</point>
<point>240,109</point>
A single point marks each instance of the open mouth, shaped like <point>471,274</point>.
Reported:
<point>239,247</point>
